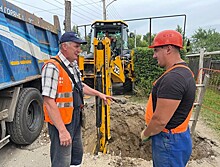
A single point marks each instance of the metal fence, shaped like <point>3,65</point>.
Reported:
<point>206,64</point>
<point>214,81</point>
<point>208,60</point>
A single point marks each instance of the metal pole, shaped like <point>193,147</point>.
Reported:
<point>85,31</point>
<point>135,39</point>
<point>67,22</point>
<point>201,62</point>
<point>150,31</point>
<point>104,10</point>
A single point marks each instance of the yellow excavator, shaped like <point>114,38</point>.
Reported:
<point>122,65</point>
<point>109,62</point>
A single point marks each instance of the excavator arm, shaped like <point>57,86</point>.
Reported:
<point>102,61</point>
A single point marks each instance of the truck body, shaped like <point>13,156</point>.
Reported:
<point>26,41</point>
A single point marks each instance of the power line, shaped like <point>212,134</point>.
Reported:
<point>96,4</point>
<point>86,12</point>
<point>36,7</point>
<point>52,4</point>
<point>113,11</point>
<point>44,10</point>
<point>84,18</point>
<point>59,2</point>
<point>110,14</point>
<point>81,17</point>
<point>28,5</point>
<point>85,6</point>
<point>89,3</point>
<point>116,12</point>
<point>48,11</point>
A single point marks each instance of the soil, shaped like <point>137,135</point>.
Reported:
<point>124,149</point>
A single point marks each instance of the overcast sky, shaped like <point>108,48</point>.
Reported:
<point>199,13</point>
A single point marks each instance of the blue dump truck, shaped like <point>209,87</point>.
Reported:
<point>26,41</point>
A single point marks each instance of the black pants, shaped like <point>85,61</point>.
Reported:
<point>62,156</point>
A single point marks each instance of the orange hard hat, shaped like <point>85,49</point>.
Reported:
<point>168,37</point>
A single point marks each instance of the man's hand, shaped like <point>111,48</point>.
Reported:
<point>65,138</point>
<point>89,91</point>
<point>143,137</point>
<point>105,98</point>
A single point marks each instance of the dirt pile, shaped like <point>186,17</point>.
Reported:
<point>127,121</point>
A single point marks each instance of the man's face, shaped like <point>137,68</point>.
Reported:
<point>160,55</point>
<point>72,50</point>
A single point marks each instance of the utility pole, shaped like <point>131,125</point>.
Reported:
<point>104,10</point>
<point>67,21</point>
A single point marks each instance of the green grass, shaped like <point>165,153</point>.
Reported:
<point>211,109</point>
<point>137,99</point>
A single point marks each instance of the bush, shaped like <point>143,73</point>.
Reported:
<point>146,70</point>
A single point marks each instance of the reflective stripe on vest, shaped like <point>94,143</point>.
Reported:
<point>64,96</point>
<point>149,108</point>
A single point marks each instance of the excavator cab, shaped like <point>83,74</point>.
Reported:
<point>122,66</point>
<point>116,31</point>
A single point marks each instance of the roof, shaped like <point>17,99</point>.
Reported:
<point>110,21</point>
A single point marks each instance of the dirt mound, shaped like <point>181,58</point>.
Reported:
<point>127,121</point>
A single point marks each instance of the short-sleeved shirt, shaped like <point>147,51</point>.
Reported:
<point>178,84</point>
<point>50,74</point>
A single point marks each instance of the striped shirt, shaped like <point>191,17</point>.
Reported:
<point>50,74</point>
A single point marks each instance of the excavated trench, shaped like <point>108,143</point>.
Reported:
<point>127,121</point>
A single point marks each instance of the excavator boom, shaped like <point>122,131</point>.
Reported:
<point>102,58</point>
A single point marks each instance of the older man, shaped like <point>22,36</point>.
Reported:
<point>63,102</point>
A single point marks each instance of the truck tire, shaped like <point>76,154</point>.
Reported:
<point>28,119</point>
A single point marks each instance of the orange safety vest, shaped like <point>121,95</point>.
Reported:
<point>64,96</point>
<point>149,109</point>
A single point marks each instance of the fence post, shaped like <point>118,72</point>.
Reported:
<point>201,62</point>
<point>200,97</point>
<point>199,77</point>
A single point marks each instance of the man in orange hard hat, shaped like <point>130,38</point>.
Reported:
<point>170,104</point>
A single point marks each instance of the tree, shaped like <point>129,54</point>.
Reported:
<point>208,39</point>
<point>140,42</point>
<point>179,29</point>
<point>75,29</point>
<point>86,47</point>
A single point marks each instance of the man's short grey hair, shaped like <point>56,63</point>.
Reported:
<point>60,45</point>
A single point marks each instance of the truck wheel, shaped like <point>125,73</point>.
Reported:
<point>28,119</point>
